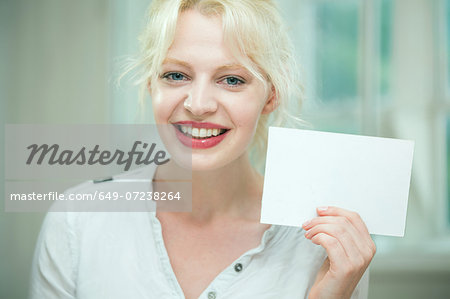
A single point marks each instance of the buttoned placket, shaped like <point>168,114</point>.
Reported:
<point>222,280</point>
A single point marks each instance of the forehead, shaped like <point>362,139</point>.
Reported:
<point>193,26</point>
<point>200,39</point>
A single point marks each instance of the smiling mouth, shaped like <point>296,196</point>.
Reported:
<point>200,133</point>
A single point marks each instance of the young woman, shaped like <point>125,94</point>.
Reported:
<point>221,67</point>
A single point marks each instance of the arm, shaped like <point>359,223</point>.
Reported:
<point>53,271</point>
<point>350,249</point>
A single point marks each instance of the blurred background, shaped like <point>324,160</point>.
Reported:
<point>370,67</point>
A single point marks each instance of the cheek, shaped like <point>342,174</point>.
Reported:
<point>247,115</point>
<point>164,103</point>
<point>247,118</point>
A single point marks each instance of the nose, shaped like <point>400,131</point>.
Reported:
<point>201,98</point>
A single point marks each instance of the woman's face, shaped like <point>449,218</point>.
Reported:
<point>212,101</point>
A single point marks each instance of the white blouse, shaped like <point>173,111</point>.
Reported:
<point>122,255</point>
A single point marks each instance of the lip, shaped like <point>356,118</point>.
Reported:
<point>196,124</point>
<point>200,143</point>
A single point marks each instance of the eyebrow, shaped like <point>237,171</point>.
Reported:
<point>187,65</point>
<point>176,61</point>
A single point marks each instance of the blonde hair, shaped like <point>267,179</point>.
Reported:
<point>257,37</point>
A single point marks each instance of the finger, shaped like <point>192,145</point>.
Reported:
<point>362,241</point>
<point>334,249</point>
<point>337,220</point>
<point>344,237</point>
<point>354,217</point>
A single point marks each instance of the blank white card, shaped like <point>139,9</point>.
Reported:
<point>307,169</point>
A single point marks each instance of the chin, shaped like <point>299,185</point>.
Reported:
<point>201,164</point>
<point>211,162</point>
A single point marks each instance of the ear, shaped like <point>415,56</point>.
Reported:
<point>272,101</point>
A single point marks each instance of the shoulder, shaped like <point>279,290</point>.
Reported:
<point>362,289</point>
<point>289,247</point>
<point>70,242</point>
<point>139,175</point>
<point>291,239</point>
<point>70,222</point>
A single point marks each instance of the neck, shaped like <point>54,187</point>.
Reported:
<point>233,191</point>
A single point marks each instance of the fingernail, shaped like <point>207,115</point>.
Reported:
<point>322,208</point>
<point>306,223</point>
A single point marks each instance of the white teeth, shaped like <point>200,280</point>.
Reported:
<point>200,132</point>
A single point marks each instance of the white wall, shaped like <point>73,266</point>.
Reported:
<point>54,62</point>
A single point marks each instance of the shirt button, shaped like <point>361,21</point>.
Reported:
<point>212,295</point>
<point>238,267</point>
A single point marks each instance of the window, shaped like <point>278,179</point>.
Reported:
<point>370,68</point>
<point>345,49</point>
<point>337,50</point>
<point>385,46</point>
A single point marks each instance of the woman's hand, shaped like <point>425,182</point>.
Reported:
<point>350,249</point>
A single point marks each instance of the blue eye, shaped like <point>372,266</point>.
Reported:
<point>233,81</point>
<point>175,76</point>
